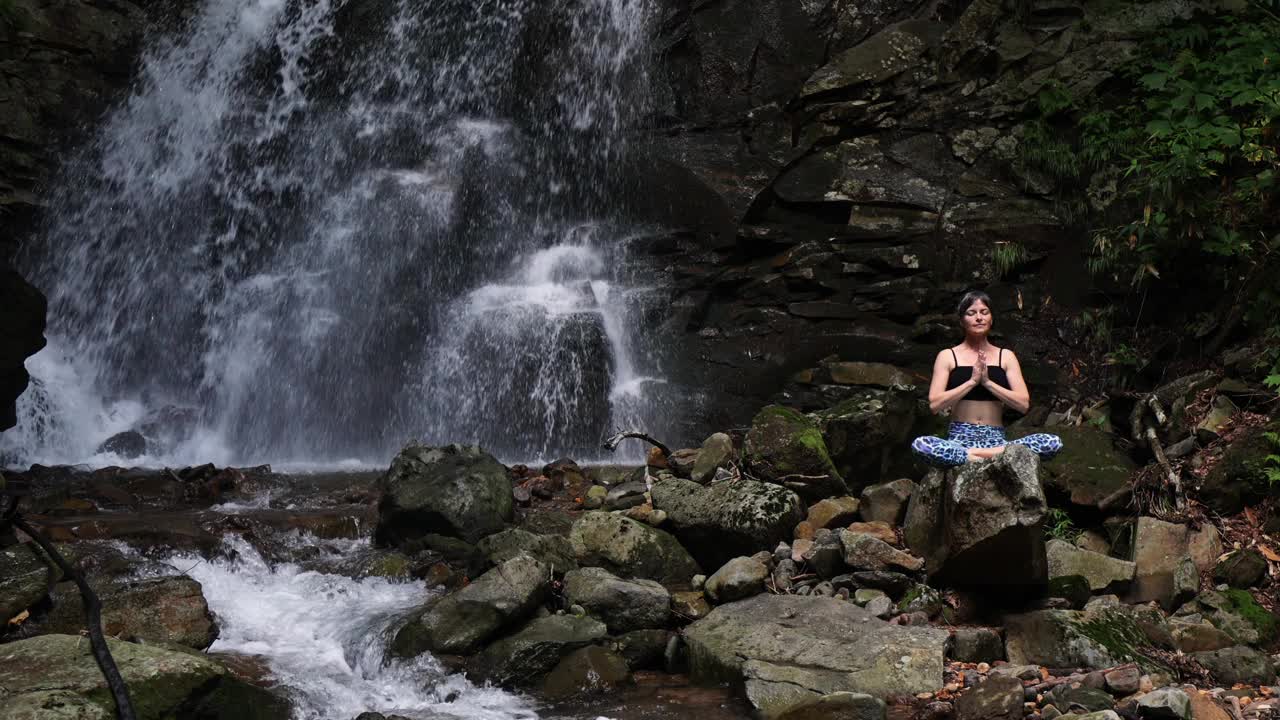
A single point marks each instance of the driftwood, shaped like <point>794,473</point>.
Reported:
<point>611,443</point>
<point>92,609</point>
<point>1145,423</point>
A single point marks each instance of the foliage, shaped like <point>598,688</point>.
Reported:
<point>11,16</point>
<point>1193,146</point>
<point>1059,525</point>
<point>1271,463</point>
<point>1005,256</point>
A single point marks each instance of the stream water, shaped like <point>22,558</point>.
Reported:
<point>317,229</point>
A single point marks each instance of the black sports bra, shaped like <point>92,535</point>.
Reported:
<point>960,374</point>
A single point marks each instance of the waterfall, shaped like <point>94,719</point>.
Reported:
<point>316,229</point>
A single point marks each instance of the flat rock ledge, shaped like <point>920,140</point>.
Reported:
<point>787,650</point>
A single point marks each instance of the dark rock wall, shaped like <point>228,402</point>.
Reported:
<point>861,160</point>
<point>61,64</point>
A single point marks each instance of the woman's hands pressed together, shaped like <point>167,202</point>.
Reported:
<point>980,369</point>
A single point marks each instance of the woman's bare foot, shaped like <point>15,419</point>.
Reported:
<point>984,453</point>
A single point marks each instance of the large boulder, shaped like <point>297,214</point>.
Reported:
<point>866,433</point>
<point>1102,572</point>
<point>1238,665</point>
<point>999,697</point>
<point>717,452</point>
<point>168,609</point>
<point>628,548</point>
<point>524,658</point>
<point>727,519</point>
<point>791,649</point>
<point>463,621</point>
<point>55,676</point>
<point>787,448</point>
<point>624,605</point>
<point>24,578</point>
<point>1166,570</point>
<point>1234,612</point>
<point>887,502</point>
<point>981,525</point>
<point>454,490</point>
<point>553,550</point>
<point>1089,469</point>
<point>1239,478</point>
<point>1093,638</point>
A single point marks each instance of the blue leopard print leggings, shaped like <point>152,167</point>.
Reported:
<point>953,450</point>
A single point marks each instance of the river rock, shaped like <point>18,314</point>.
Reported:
<point>1241,569</point>
<point>887,502</point>
<point>1239,478</point>
<point>982,524</point>
<point>832,512</point>
<point>1068,638</point>
<point>690,604</point>
<point>1238,664</point>
<point>56,676</point>
<point>24,578</point>
<point>825,555</point>
<point>128,445</point>
<point>522,659</point>
<point>626,495</point>
<point>1160,551</point>
<point>867,432</point>
<point>157,609</point>
<point>1190,637</point>
<point>624,605</point>
<point>1104,574</point>
<point>836,706</point>
<point>1089,469</point>
<point>587,671</point>
<point>787,448</point>
<point>628,548</point>
<point>725,520</point>
<point>643,649</point>
<point>739,578</point>
<point>462,621</point>
<point>717,452</point>
<point>553,550</point>
<point>864,552</point>
<point>1165,704</point>
<point>999,697</point>
<point>454,490</point>
<point>976,645</point>
<point>817,644</point>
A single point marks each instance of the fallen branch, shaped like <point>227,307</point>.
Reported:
<point>1174,480</point>
<point>611,443</point>
<point>93,616</point>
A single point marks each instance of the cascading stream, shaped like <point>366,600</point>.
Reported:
<point>318,229</point>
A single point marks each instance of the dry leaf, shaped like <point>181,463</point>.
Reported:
<point>1250,516</point>
<point>1019,298</point>
<point>19,618</point>
<point>1269,553</point>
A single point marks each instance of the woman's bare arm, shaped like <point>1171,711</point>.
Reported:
<point>1016,396</point>
<point>940,398</point>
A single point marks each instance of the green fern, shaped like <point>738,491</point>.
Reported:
<point>1005,256</point>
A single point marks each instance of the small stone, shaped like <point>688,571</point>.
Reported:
<point>1165,704</point>
<point>698,581</point>
<point>983,667</point>
<point>1049,712</point>
<point>866,595</point>
<point>833,512</point>
<point>881,607</point>
<point>739,578</point>
<point>1145,685</point>
<point>656,518</point>
<point>690,605</point>
<point>1123,681</point>
<point>799,548</point>
<point>878,530</point>
<point>595,497</point>
<point>782,552</point>
<point>805,530</point>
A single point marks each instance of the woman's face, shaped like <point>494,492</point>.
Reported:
<point>977,319</point>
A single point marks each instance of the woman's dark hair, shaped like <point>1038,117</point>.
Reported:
<point>970,298</point>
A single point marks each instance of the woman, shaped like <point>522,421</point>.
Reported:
<point>974,381</point>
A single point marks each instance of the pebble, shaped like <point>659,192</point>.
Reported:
<point>698,581</point>
<point>983,667</point>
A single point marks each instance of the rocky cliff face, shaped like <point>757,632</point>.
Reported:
<point>848,169</point>
<point>61,63</point>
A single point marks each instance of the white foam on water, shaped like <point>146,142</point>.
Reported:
<point>324,637</point>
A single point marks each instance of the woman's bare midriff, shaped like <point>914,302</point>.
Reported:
<point>979,412</point>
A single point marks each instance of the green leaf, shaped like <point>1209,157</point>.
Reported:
<point>1204,101</point>
<point>1155,80</point>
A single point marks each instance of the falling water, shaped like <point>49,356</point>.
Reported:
<point>317,229</point>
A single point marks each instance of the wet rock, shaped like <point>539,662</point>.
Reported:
<point>1241,569</point>
<point>1089,469</point>
<point>156,609</point>
<point>887,502</point>
<point>22,307</point>
<point>833,512</point>
<point>630,549</point>
<point>982,525</point>
<point>818,644</point>
<point>524,658</point>
<point>1165,704</point>
<point>624,605</point>
<point>1238,664</point>
<point>863,552</point>
<point>834,706</point>
<point>725,520</point>
<point>643,649</point>
<point>976,645</point>
<point>998,698</point>
<point>877,59</point>
<point>588,671</point>
<point>690,604</point>
<point>787,448</point>
<point>458,491</point>
<point>461,622</point>
<point>1103,574</point>
<point>717,452</point>
<point>552,550</point>
<point>58,673</point>
<point>24,578</point>
<point>739,578</point>
<point>128,445</point>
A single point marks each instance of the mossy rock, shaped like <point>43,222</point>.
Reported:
<point>1244,605</point>
<point>785,447</point>
<point>1240,477</point>
<point>1089,469</point>
<point>866,434</point>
